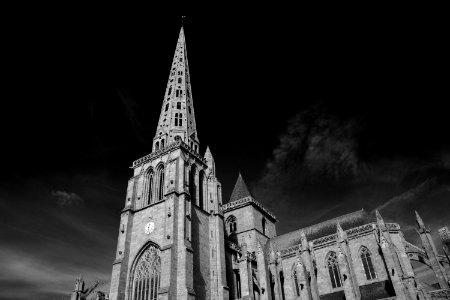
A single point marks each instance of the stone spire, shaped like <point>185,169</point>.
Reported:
<point>177,119</point>
<point>240,190</point>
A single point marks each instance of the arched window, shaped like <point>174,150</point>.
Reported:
<point>157,146</point>
<point>148,187</point>
<point>201,182</point>
<point>294,275</point>
<point>231,224</point>
<point>179,80</point>
<point>176,119</point>
<point>162,143</point>
<point>192,184</point>
<point>367,263</point>
<point>180,119</point>
<point>160,183</point>
<point>170,91</point>
<point>333,269</point>
<point>282,285</point>
<point>263,225</point>
<point>167,107</point>
<point>178,105</point>
<point>146,276</point>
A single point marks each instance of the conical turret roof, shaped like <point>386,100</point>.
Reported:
<point>240,190</point>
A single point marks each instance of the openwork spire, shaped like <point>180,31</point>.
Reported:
<point>177,119</point>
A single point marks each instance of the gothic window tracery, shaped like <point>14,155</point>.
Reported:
<point>333,269</point>
<point>367,263</point>
<point>231,224</point>
<point>146,277</point>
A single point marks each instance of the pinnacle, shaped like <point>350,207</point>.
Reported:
<point>240,190</point>
<point>419,220</point>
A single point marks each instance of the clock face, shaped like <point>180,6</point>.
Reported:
<point>149,227</point>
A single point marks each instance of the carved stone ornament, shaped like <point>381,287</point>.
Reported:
<point>149,228</point>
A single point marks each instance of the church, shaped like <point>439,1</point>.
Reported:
<point>178,239</point>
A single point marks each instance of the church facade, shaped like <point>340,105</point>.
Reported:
<point>178,239</point>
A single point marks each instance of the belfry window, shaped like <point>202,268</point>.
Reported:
<point>170,91</point>
<point>178,105</point>
<point>180,72</point>
<point>179,93</point>
<point>333,269</point>
<point>367,263</point>
<point>179,80</point>
<point>160,183</point>
<point>162,143</point>
<point>148,189</point>
<point>167,107</point>
<point>146,276</point>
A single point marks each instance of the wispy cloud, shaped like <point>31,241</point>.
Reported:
<point>64,198</point>
<point>317,172</point>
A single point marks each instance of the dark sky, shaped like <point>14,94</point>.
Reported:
<point>321,116</point>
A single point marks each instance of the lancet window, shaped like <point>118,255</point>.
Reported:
<point>367,263</point>
<point>231,224</point>
<point>160,177</point>
<point>146,276</point>
<point>333,269</point>
<point>148,186</point>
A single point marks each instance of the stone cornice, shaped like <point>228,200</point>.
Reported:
<point>244,202</point>
<point>168,148</point>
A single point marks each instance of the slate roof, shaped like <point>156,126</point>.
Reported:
<point>240,190</point>
<point>322,229</point>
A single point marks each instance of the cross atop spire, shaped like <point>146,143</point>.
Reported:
<point>177,119</point>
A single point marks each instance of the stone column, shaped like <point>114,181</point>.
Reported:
<point>303,279</point>
<point>263,274</point>
<point>392,267</point>
<point>245,273</point>
<point>307,254</point>
<point>349,289</point>
<point>275,276</point>
<point>347,260</point>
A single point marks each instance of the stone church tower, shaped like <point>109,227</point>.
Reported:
<point>171,234</point>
